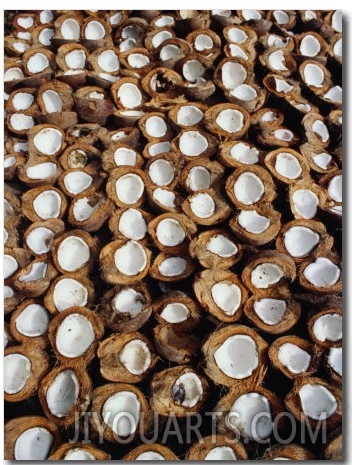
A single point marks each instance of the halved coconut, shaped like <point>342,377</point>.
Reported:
<point>55,97</point>
<point>21,100</point>
<point>305,198</point>
<point>193,143</point>
<point>124,261</point>
<point>238,153</point>
<point>171,268</point>
<point>72,56</point>
<point>34,279</point>
<point>80,155</point>
<point>221,293</point>
<point>320,160</point>
<point>227,119</point>
<point>323,275</point>
<point>14,260</point>
<point>334,364</point>
<point>105,61</point>
<point>37,171</point>
<point>30,322</point>
<point>137,61</point>
<point>205,42</point>
<point>47,140</point>
<point>65,394</point>
<point>126,186</point>
<point>171,232</point>
<point>215,248</point>
<point>78,451</point>
<point>179,347</point>
<point>178,391</point>
<point>121,154</point>
<point>312,400</point>
<point>152,451</point>
<point>201,174</point>
<point>123,410</point>
<point>66,292</point>
<point>75,333</point>
<point>278,61</point>
<point>86,134</point>
<point>170,51</point>
<point>234,356</point>
<point>216,447</point>
<point>162,81</point>
<point>79,181</point>
<point>157,36</point>
<point>206,207</point>
<point>288,452</point>
<point>127,94</point>
<point>68,27</point>
<point>315,76</point>
<point>19,123</point>
<point>286,165</point>
<point>126,357</point>
<point>30,438</point>
<point>130,223</point>
<point>24,368</point>
<point>38,61</point>
<point>154,126</point>
<point>325,325</point>
<point>186,115</point>
<point>275,312</point>
<point>93,104</point>
<point>90,213</point>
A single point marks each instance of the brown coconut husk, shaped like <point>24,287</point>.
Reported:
<point>64,449</point>
<point>200,449</point>
<point>288,451</point>
<point>178,347</point>
<point>152,447</point>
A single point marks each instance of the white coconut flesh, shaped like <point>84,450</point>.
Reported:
<point>77,181</point>
<point>161,172</point>
<point>192,70</point>
<point>192,143</point>
<point>25,22</point>
<point>121,412</point>
<point>175,312</point>
<point>73,253</point>
<point>47,205</point>
<point>322,160</point>
<point>244,153</point>
<point>70,29</point>
<point>62,394</point>
<point>33,321</point>
<point>108,61</point>
<point>250,414</point>
<point>37,63</point>
<point>128,301</point>
<point>164,197</point>
<point>120,135</point>
<point>74,335</point>
<point>52,101</point>
<point>287,165</point>
<point>12,74</point>
<point>130,96</point>
<point>251,14</point>
<point>230,120</point>
<point>300,241</point>
<point>130,259</point>
<point>266,274</point>
<point>282,86</point>
<point>283,134</point>
<point>277,61</point>
<point>310,46</point>
<point>237,51</point>
<point>335,359</point>
<point>237,36</point>
<point>170,232</point>
<point>281,17</point>
<point>172,266</point>
<point>45,36</point>
<point>132,113</point>
<point>17,370</point>
<point>191,389</point>
<point>150,455</point>
<point>222,246</point>
<point>248,188</point>
<point>78,454</point>
<point>129,188</point>
<point>328,328</point>
<point>202,205</point>
<point>233,75</point>
<point>203,42</point>
<point>33,444</point>
<point>295,359</point>
<point>136,357</point>
<point>10,266</point>
<point>22,101</point>
<point>155,126</point>
<point>127,44</point>
<point>164,20</point>
<point>306,203</point>
<point>199,178</point>
<point>115,19</point>
<point>41,171</point>
<point>82,210</point>
<point>20,46</point>
<point>8,292</point>
<point>317,402</point>
<point>96,96</point>
<point>160,37</point>
<point>94,31</point>
<point>314,75</point>
<point>46,16</point>
<point>309,14</point>
<point>21,122</point>
<point>244,92</point>
<point>48,141</point>
<point>268,117</point>
<point>132,224</point>
<point>21,147</point>
<point>69,293</point>
<point>270,311</point>
<point>237,357</point>
<point>221,453</point>
<point>224,13</point>
<point>335,188</point>
<point>336,21</point>
<point>76,59</point>
<point>36,272</point>
<point>322,273</point>
<point>138,60</point>
<point>334,94</point>
<point>321,130</point>
<point>170,51</point>
<point>253,222</point>
<point>338,48</point>
<point>227,296</point>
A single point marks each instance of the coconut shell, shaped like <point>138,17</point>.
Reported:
<point>288,452</point>
<point>35,287</point>
<point>210,121</point>
<point>32,162</point>
<point>31,110</point>
<point>267,117</point>
<point>115,89</point>
<point>125,135</point>
<point>230,161</point>
<point>111,367</point>
<point>206,153</point>
<point>162,81</point>
<point>334,447</point>
<point>152,447</point>
<point>184,48</point>
<point>200,449</point>
<point>63,120</point>
<point>85,133</point>
<point>94,62</point>
<point>13,300</point>
<point>305,184</point>
<point>31,52</point>
<point>215,170</point>
<point>17,426</point>
<point>64,91</point>
<point>64,50</point>
<point>155,272</point>
<point>331,307</point>
<point>102,210</point>
<point>109,161</point>
<point>114,223</point>
<point>177,347</point>
<point>166,400</point>
<point>174,200</point>
<point>124,321</point>
<point>309,152</point>
<point>216,339</point>
<point>221,213</point>
<point>328,289</point>
<point>39,361</point>
<point>333,375</point>
<point>90,352</point>
<point>176,163</point>
<point>64,449</point>
<point>93,110</point>
<point>33,149</point>
<point>114,175</point>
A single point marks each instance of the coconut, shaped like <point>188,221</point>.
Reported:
<point>206,207</point>
<point>130,223</point>
<point>216,448</point>
<point>201,174</point>
<point>178,347</point>
<point>325,325</point>
<point>152,451</point>
<point>287,452</point>
<point>171,268</point>
<point>90,213</point>
<point>34,279</point>
<point>323,275</point>
<point>194,143</point>
<point>171,232</point>
<point>126,186</point>
<point>78,451</point>
<point>30,322</point>
<point>127,94</point>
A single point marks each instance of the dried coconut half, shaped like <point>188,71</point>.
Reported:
<point>29,323</point>
<point>170,268</point>
<point>201,174</point>
<point>89,213</point>
<point>126,186</point>
<point>186,115</point>
<point>192,143</point>
<point>43,203</point>
<point>179,347</point>
<point>206,207</point>
<point>127,94</point>
<point>288,166</point>
<point>151,451</point>
<point>216,448</point>
<point>228,120</point>
<point>130,223</point>
<point>171,232</point>
<point>154,126</point>
<point>120,154</point>
<point>288,452</point>
<point>235,154</point>
<point>34,279</point>
<point>325,326</point>
<point>78,451</point>
<point>305,199</point>
<point>322,274</point>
